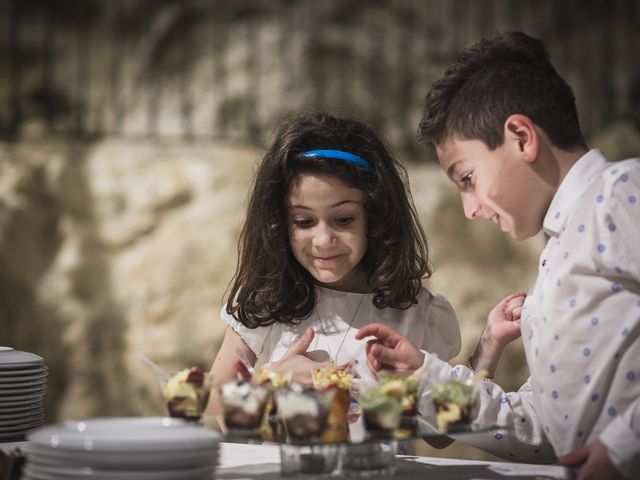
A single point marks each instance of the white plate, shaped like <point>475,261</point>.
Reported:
<point>142,434</point>
<point>11,359</point>
<point>35,470</point>
<point>18,400</point>
<point>27,426</point>
<point>199,457</point>
<point>22,382</point>
<point>23,372</point>
<point>16,392</point>
<point>7,421</point>
<point>20,407</point>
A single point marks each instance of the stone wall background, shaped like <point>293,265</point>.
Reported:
<point>131,130</point>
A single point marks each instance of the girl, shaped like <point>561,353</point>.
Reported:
<point>331,242</point>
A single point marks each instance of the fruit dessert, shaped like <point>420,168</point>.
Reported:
<point>244,405</point>
<point>304,412</point>
<point>409,401</point>
<point>454,402</point>
<point>382,409</point>
<point>186,393</point>
<point>339,380</point>
<point>272,428</point>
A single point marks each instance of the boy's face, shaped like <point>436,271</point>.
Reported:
<point>328,230</point>
<point>497,185</point>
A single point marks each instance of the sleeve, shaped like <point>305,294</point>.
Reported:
<point>622,438</point>
<point>521,437</point>
<point>443,336</point>
<point>253,337</point>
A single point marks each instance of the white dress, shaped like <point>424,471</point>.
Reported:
<point>431,325</point>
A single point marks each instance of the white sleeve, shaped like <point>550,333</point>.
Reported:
<point>521,437</point>
<point>443,336</point>
<point>253,337</point>
<point>622,438</point>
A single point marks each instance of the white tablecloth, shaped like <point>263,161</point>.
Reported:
<point>242,461</point>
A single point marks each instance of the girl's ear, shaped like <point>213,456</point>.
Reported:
<point>520,131</point>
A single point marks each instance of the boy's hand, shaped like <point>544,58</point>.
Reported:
<point>503,322</point>
<point>389,350</point>
<point>595,461</point>
<point>503,326</point>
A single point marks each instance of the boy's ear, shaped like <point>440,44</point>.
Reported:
<point>521,132</point>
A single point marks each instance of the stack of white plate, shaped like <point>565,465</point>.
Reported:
<point>144,448</point>
<point>23,383</point>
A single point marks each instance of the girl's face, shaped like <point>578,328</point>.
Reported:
<point>328,230</point>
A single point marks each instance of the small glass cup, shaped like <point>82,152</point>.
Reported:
<point>243,407</point>
<point>410,398</point>
<point>381,412</point>
<point>304,412</point>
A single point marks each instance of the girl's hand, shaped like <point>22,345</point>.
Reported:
<point>296,362</point>
<point>503,327</point>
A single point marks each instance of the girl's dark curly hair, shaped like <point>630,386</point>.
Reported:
<point>269,284</point>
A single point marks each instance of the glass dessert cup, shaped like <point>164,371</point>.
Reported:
<point>381,413</point>
<point>409,399</point>
<point>455,406</point>
<point>244,406</point>
<point>337,429</point>
<point>304,412</point>
<point>186,394</point>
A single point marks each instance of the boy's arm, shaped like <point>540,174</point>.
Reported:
<point>523,438</point>
<point>503,326</point>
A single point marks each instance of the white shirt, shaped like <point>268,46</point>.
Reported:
<point>430,324</point>
<point>580,326</point>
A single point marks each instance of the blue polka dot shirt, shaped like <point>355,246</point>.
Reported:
<point>585,360</point>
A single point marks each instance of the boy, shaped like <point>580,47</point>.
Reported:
<point>505,129</point>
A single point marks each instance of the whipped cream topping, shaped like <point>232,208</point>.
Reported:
<point>291,403</point>
<point>244,395</point>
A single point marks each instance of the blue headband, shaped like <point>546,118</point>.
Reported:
<point>339,155</point>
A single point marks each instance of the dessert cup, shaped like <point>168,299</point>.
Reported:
<point>186,394</point>
<point>304,412</point>
<point>409,400</point>
<point>339,381</point>
<point>381,411</point>
<point>243,407</point>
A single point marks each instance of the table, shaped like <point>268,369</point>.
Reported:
<point>262,462</point>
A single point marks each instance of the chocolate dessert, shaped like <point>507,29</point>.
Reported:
<point>244,405</point>
<point>272,427</point>
<point>186,393</point>
<point>304,412</point>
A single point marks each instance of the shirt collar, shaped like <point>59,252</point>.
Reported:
<point>571,189</point>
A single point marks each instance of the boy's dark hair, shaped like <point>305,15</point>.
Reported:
<point>493,79</point>
<point>269,284</point>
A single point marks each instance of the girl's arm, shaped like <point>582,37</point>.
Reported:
<point>223,369</point>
